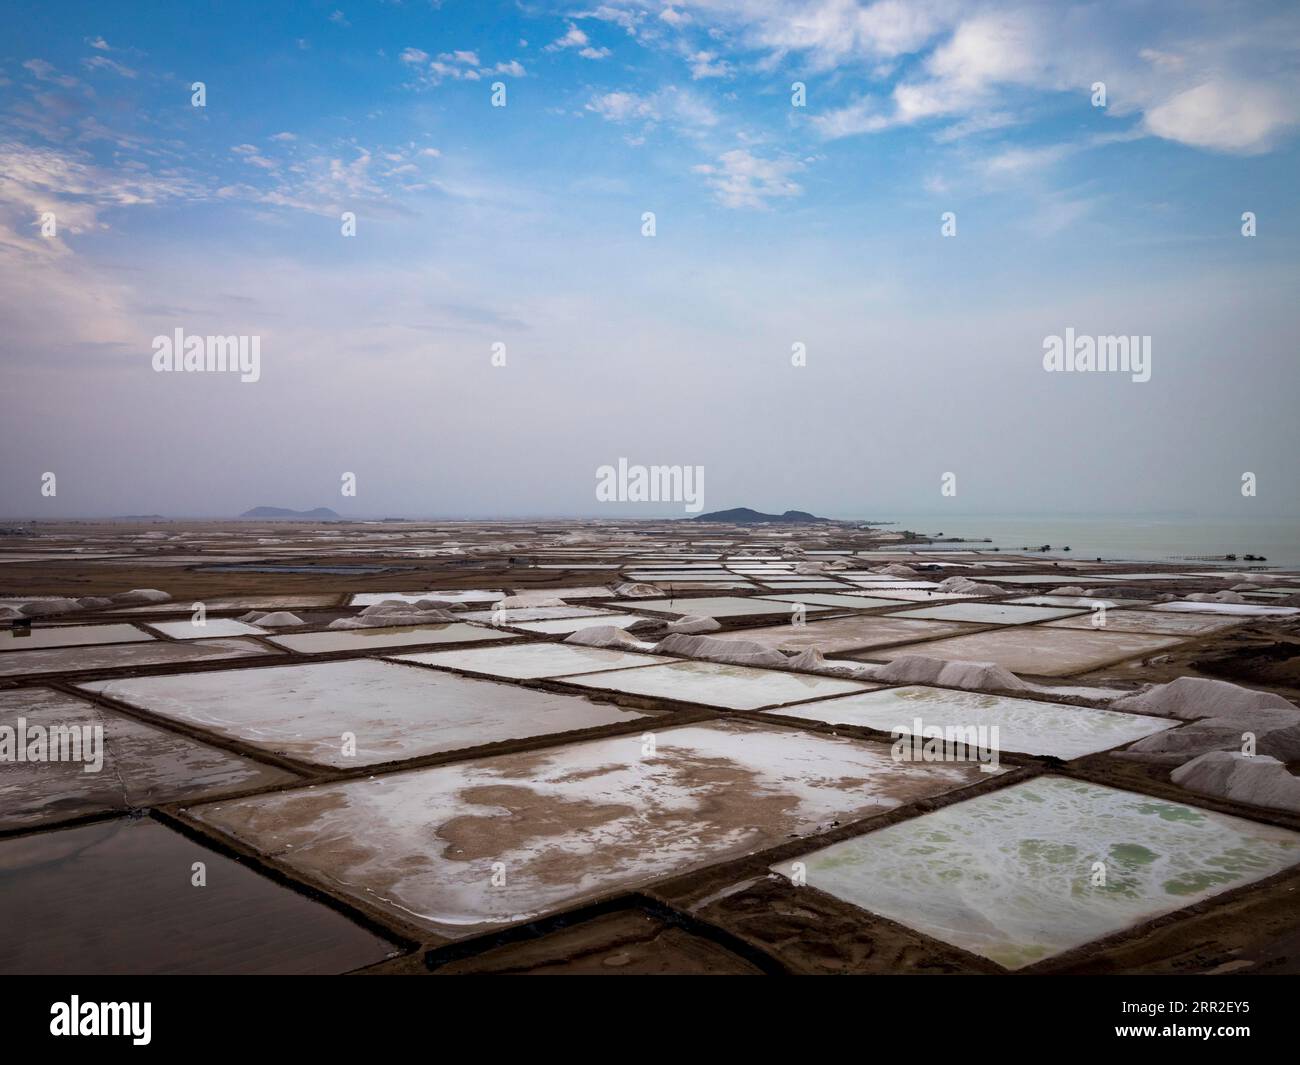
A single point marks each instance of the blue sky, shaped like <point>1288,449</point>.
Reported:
<point>775,224</point>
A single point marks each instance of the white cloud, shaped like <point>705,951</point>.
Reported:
<point>740,179</point>
<point>1225,116</point>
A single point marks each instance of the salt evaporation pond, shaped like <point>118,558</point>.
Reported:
<point>1029,726</point>
<point>189,630</point>
<point>526,661</point>
<point>142,765</point>
<point>393,711</point>
<point>117,656</point>
<point>1013,875</point>
<point>38,636</point>
<point>116,898</point>
<point>465,847</point>
<point>718,684</point>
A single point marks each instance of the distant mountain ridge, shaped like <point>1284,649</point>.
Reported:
<point>319,514</point>
<point>747,516</point>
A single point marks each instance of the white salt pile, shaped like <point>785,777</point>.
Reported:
<point>1190,698</point>
<point>1223,716</point>
<point>8,613</point>
<point>1215,597</point>
<point>608,636</point>
<point>975,676</point>
<point>638,591</point>
<point>1256,780</point>
<point>731,652</point>
<point>48,606</point>
<point>691,624</point>
<point>966,586</point>
<point>810,568</point>
<point>280,619</point>
<point>142,595</point>
<point>394,612</point>
<point>897,569</point>
<point>1070,590</point>
<point>94,602</point>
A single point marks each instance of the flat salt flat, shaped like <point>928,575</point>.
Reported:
<point>989,613</point>
<point>1009,875</point>
<point>1161,623</point>
<point>572,822</point>
<point>834,635</point>
<point>1087,602</point>
<point>471,596</point>
<point>237,602</point>
<point>1243,609</point>
<point>115,898</point>
<point>116,656</point>
<point>916,595</point>
<point>530,613</point>
<point>142,765</point>
<point>717,684</point>
<point>872,585</point>
<point>711,606</point>
<point>1028,726</point>
<point>188,630</point>
<point>1037,649</point>
<point>70,636</point>
<point>527,661</point>
<point>315,643</point>
<point>563,626</point>
<point>394,711</point>
<point>843,602</point>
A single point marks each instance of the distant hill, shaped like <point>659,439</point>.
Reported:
<point>746,516</point>
<point>319,514</point>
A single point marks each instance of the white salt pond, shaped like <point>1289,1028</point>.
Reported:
<point>1038,650</point>
<point>1086,602</point>
<point>470,596</point>
<point>1241,609</point>
<point>1011,875</point>
<point>562,626</point>
<point>188,630</point>
<point>526,661</point>
<point>117,656</point>
<point>142,765</point>
<point>717,684</point>
<point>1171,624</point>
<point>719,606</point>
<point>1028,726</point>
<point>315,643</point>
<point>849,633</point>
<point>843,602</point>
<point>573,822</point>
<point>393,711</point>
<point>70,636</point>
<point>989,613</point>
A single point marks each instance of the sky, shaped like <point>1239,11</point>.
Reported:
<point>500,324</point>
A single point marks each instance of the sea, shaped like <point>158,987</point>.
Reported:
<point>1120,538</point>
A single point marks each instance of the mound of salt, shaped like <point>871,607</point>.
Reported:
<point>142,595</point>
<point>608,636</point>
<point>1070,590</point>
<point>281,619</point>
<point>966,586</point>
<point>48,606</point>
<point>1255,780</point>
<point>810,568</point>
<point>8,613</point>
<point>94,602</point>
<point>730,652</point>
<point>975,676</point>
<point>691,624</point>
<point>1215,597</point>
<point>897,569</point>
<point>393,612</point>
<point>638,591</point>
<point>1189,698</point>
